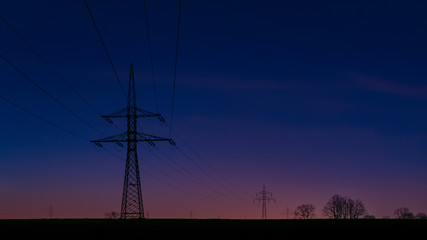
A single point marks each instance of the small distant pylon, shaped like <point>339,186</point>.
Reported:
<point>286,212</point>
<point>51,212</point>
<point>264,197</point>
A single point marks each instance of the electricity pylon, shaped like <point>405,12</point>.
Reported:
<point>132,206</point>
<point>264,198</point>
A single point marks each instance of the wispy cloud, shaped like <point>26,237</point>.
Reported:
<point>239,84</point>
<point>391,87</point>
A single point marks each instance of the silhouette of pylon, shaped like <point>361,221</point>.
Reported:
<point>132,205</point>
<point>264,197</point>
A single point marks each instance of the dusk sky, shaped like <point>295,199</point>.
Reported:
<point>310,98</point>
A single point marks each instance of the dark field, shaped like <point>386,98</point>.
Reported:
<point>212,229</point>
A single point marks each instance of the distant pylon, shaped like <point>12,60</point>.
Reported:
<point>264,198</point>
<point>286,212</point>
<point>51,212</point>
<point>132,206</point>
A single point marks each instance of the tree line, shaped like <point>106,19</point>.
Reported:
<point>339,207</point>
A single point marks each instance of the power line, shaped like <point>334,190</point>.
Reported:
<point>200,194</point>
<point>155,94</point>
<point>173,93</point>
<point>174,83</point>
<point>174,68</point>
<point>41,59</point>
<point>175,65</point>
<point>183,170</point>
<point>207,173</point>
<point>195,178</point>
<point>48,65</point>
<point>203,170</point>
<point>206,187</point>
<point>105,48</point>
<point>184,187</point>
<point>209,166</point>
<point>151,55</point>
<point>146,172</point>
<point>49,95</point>
<point>162,172</point>
<point>41,118</point>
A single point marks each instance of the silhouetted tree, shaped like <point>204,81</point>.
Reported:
<point>403,213</point>
<point>339,207</point>
<point>421,216</point>
<point>355,209</point>
<point>335,207</point>
<point>304,211</point>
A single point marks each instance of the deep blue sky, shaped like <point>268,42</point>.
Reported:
<point>311,98</point>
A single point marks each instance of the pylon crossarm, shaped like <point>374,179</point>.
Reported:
<point>123,113</point>
<point>121,137</point>
<point>145,113</point>
<point>120,113</point>
<point>141,137</point>
<point>151,139</point>
<point>148,137</point>
<point>132,205</point>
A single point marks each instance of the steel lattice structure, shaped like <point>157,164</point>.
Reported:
<point>132,204</point>
<point>264,198</point>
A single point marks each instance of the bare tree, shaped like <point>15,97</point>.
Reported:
<point>305,211</point>
<point>335,207</point>
<point>403,213</point>
<point>355,209</point>
<point>339,207</point>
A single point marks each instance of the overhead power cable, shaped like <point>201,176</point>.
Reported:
<point>242,195</point>
<point>174,69</point>
<point>43,119</point>
<point>181,185</point>
<point>150,53</point>
<point>208,174</point>
<point>50,95</point>
<point>48,65</point>
<point>195,178</point>
<point>105,49</point>
<point>182,169</point>
<point>212,169</point>
<point>197,193</point>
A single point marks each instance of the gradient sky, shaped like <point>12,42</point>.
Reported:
<point>310,98</point>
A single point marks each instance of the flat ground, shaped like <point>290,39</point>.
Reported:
<point>211,229</point>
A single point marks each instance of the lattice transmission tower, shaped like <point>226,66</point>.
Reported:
<point>132,205</point>
<point>264,197</point>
